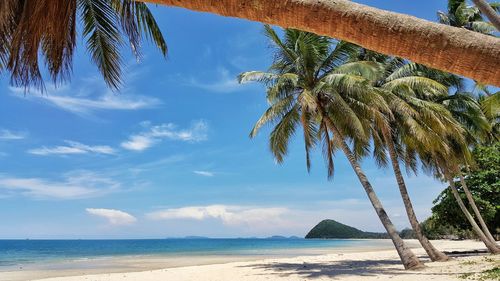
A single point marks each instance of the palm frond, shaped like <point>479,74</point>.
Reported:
<point>30,26</point>
<point>371,71</point>
<point>328,149</point>
<point>137,21</point>
<point>265,78</point>
<point>491,105</point>
<point>103,38</point>
<point>424,86</point>
<point>283,50</point>
<point>273,113</point>
<point>341,54</point>
<point>282,132</point>
<point>310,134</point>
<point>147,23</point>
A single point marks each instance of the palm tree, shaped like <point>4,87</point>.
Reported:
<point>29,29</point>
<point>467,110</point>
<point>421,41</point>
<point>413,119</point>
<point>459,14</point>
<point>445,163</point>
<point>310,85</point>
<point>475,209</point>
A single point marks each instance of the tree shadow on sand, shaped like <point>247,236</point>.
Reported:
<point>334,269</point>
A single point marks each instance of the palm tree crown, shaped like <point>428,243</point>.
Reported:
<point>308,80</point>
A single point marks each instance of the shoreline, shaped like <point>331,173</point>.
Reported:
<point>60,266</point>
<point>362,263</point>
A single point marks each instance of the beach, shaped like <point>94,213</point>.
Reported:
<point>352,264</point>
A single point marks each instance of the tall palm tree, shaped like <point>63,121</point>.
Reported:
<point>413,119</point>
<point>421,41</point>
<point>460,14</point>
<point>467,110</point>
<point>309,85</point>
<point>48,28</point>
<point>445,162</point>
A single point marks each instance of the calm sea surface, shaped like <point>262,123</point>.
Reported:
<point>22,252</point>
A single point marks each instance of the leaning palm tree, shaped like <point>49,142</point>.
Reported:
<point>413,118</point>
<point>48,28</point>
<point>477,128</point>
<point>379,30</point>
<point>310,86</point>
<point>445,163</point>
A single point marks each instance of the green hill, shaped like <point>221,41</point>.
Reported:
<point>333,229</point>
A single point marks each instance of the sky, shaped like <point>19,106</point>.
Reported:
<point>169,155</point>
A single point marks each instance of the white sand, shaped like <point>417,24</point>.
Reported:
<point>363,266</point>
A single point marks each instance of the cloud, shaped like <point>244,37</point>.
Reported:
<point>204,173</point>
<point>74,185</point>
<point>228,215</point>
<point>114,217</point>
<point>224,83</point>
<point>83,101</point>
<point>9,135</point>
<point>73,147</point>
<point>138,142</point>
<point>154,134</point>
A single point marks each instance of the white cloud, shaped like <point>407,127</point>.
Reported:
<point>228,215</point>
<point>83,101</point>
<point>9,135</point>
<point>74,185</point>
<point>204,173</point>
<point>73,147</point>
<point>224,83</point>
<point>139,142</point>
<point>114,217</point>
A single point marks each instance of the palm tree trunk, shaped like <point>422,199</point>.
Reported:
<point>439,46</point>
<point>409,259</point>
<point>434,254</point>
<point>484,227</point>
<point>492,247</point>
<point>488,11</point>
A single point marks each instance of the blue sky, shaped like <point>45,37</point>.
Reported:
<point>170,155</point>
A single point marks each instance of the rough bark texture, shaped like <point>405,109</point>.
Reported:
<point>409,259</point>
<point>492,247</point>
<point>434,254</point>
<point>451,49</point>
<point>472,203</point>
<point>488,11</point>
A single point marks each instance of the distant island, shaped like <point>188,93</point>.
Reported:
<point>276,237</point>
<point>330,229</point>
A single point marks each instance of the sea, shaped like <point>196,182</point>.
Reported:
<point>18,254</point>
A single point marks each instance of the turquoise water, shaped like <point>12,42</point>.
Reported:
<point>19,252</point>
